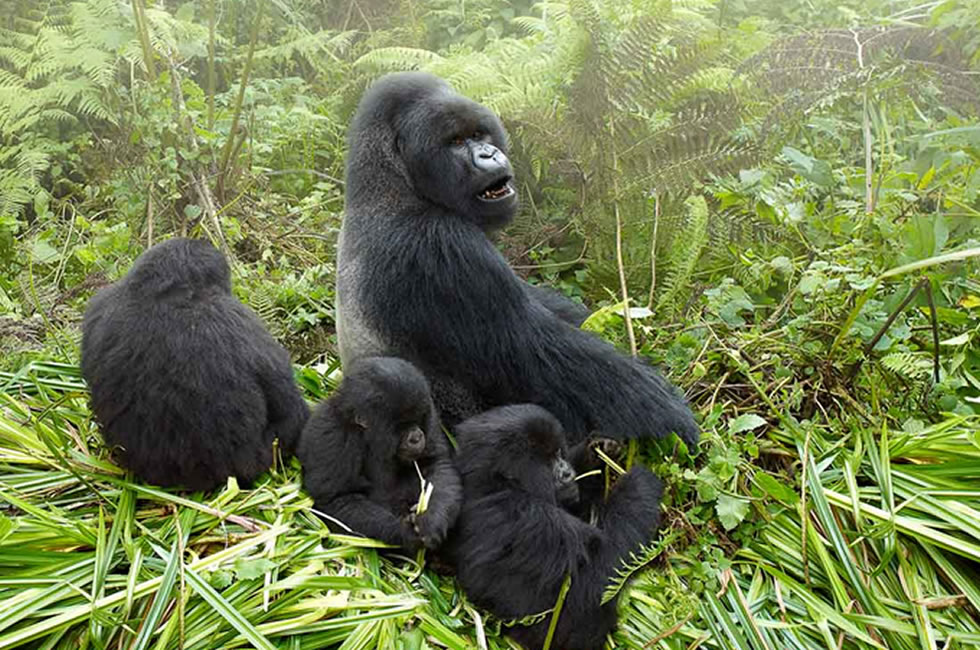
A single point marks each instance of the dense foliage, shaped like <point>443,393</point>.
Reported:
<point>788,192</point>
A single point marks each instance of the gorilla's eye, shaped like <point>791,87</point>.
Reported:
<point>458,141</point>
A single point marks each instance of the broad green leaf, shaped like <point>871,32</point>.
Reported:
<point>745,422</point>
<point>776,489</point>
<point>731,510</point>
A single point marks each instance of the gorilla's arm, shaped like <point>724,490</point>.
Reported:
<point>519,553</point>
<point>371,519</point>
<point>332,457</point>
<point>631,516</point>
<point>515,552</point>
<point>286,410</point>
<point>447,492</point>
<point>456,324</point>
<point>629,519</point>
<point>567,310</point>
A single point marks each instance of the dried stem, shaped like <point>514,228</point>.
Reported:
<point>653,249</point>
<point>211,74</point>
<point>619,242</point>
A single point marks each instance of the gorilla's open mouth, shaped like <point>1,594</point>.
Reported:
<point>500,189</point>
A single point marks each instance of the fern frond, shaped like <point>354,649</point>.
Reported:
<point>57,62</point>
<point>530,619</point>
<point>913,365</point>
<point>688,244</point>
<point>530,25</point>
<point>636,561</point>
<point>18,59</point>
<point>799,72</point>
<point>388,59</point>
<point>10,81</point>
<point>309,46</point>
<point>262,299</point>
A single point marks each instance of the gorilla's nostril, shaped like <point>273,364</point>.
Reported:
<point>415,437</point>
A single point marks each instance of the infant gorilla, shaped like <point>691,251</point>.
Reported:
<point>360,449</point>
<point>515,543</point>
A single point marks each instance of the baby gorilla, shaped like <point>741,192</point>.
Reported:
<point>360,450</point>
<point>186,382</point>
<point>514,543</point>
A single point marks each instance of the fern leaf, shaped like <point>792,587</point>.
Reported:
<point>687,246</point>
<point>396,58</point>
<point>908,364</point>
<point>636,561</point>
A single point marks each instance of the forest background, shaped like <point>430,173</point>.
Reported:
<point>786,191</point>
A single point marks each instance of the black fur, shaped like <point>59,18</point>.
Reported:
<point>185,379</point>
<point>568,310</point>
<point>514,543</point>
<point>353,465</point>
<point>418,277</point>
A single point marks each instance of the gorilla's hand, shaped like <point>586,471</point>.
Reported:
<point>431,529</point>
<point>411,539</point>
<point>585,455</point>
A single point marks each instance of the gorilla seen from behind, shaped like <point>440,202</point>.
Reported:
<point>515,543</point>
<point>185,379</point>
<point>360,449</point>
<point>427,181</point>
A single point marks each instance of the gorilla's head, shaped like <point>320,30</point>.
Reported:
<point>516,447</point>
<point>416,145</point>
<point>388,398</point>
<point>180,264</point>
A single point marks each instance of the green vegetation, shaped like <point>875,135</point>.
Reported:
<point>787,192</point>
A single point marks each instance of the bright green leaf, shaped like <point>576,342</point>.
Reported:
<point>745,422</point>
<point>731,510</point>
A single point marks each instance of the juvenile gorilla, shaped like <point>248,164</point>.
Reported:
<point>185,379</point>
<point>359,452</point>
<point>514,543</point>
<point>427,181</point>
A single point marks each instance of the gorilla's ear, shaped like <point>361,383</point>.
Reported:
<point>348,411</point>
<point>399,153</point>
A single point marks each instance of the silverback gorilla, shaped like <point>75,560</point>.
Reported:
<point>185,379</point>
<point>427,181</point>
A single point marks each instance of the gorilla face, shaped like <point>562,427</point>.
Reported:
<point>517,447</point>
<point>388,399</point>
<point>549,452</point>
<point>455,151</point>
<point>566,491</point>
<point>411,444</point>
<point>419,149</point>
